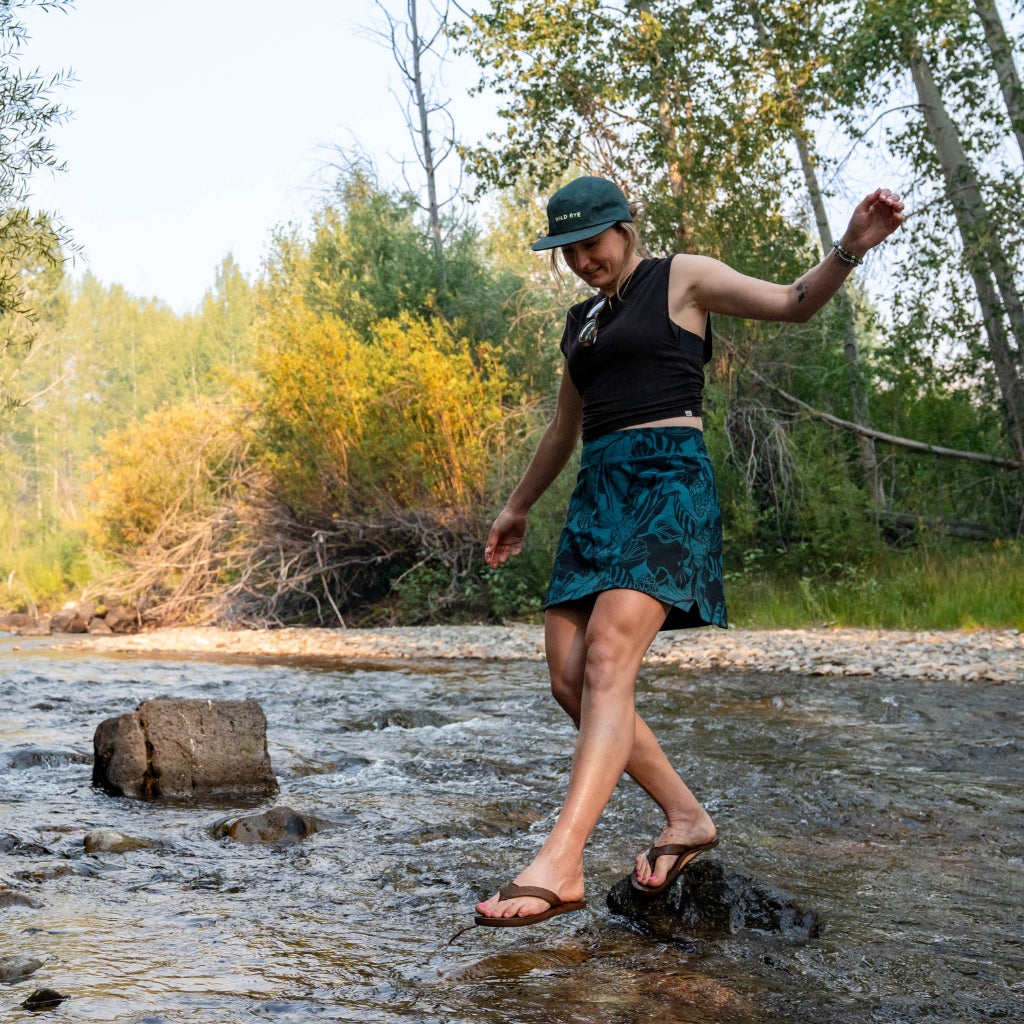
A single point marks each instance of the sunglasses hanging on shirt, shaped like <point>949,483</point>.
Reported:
<point>588,332</point>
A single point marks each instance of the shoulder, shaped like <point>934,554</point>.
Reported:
<point>689,271</point>
<point>575,311</point>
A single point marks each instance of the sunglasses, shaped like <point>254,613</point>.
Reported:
<point>588,332</point>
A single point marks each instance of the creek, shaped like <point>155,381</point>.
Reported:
<point>894,808</point>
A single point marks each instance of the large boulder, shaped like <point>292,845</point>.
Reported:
<point>185,749</point>
<point>710,899</point>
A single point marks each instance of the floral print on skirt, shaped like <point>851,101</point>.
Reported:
<point>644,516</point>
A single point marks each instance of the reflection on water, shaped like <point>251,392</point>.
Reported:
<point>895,809</point>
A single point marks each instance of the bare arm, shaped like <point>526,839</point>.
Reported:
<point>699,285</point>
<point>553,452</point>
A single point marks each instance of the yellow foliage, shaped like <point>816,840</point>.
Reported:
<point>408,416</point>
<point>169,463</point>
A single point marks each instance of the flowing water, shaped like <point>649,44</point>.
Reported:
<point>893,808</point>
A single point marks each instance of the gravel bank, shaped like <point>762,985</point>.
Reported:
<point>954,655</point>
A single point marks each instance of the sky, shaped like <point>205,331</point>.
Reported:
<point>200,125</point>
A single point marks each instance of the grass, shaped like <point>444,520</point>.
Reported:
<point>979,587</point>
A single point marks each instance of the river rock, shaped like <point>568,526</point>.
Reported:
<point>278,825</point>
<point>73,617</point>
<point>122,619</point>
<point>44,999</point>
<point>710,899</point>
<point>108,840</point>
<point>18,967</point>
<point>43,757</point>
<point>185,749</point>
<point>23,843</point>
<point>14,898</point>
<point>37,627</point>
<point>16,620</point>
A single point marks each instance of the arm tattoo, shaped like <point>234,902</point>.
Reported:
<point>801,291</point>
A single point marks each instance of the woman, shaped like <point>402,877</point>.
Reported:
<point>641,547</point>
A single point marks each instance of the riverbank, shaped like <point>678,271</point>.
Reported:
<point>992,655</point>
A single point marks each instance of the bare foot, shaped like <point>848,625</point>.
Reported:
<point>567,886</point>
<point>695,833</point>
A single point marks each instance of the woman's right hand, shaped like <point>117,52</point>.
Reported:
<point>505,538</point>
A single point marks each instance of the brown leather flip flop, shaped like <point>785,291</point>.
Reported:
<point>683,855</point>
<point>556,906</point>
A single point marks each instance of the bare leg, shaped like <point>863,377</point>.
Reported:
<point>686,821</point>
<point>614,640</point>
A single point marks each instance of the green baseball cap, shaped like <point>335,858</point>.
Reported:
<point>583,208</point>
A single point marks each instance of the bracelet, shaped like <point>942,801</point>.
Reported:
<point>845,257</point>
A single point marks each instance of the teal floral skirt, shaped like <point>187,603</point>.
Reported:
<point>644,516</point>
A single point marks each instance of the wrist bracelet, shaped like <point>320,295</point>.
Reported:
<point>845,257</point>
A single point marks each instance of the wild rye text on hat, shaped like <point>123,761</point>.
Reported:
<point>583,208</point>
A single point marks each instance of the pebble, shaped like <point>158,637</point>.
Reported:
<point>990,655</point>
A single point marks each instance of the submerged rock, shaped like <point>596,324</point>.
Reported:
<point>108,840</point>
<point>710,899</point>
<point>13,898</point>
<point>18,967</point>
<point>278,825</point>
<point>24,843</point>
<point>185,749</point>
<point>43,757</point>
<point>44,999</point>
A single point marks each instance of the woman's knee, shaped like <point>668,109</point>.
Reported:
<point>567,689</point>
<point>611,663</point>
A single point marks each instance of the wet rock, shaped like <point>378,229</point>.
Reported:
<point>13,898</point>
<point>46,871</point>
<point>44,999</point>
<point>280,825</point>
<point>402,718</point>
<point>23,843</point>
<point>18,967</point>
<point>43,757</point>
<point>185,749</point>
<point>710,899</point>
<point>98,627</point>
<point>108,840</point>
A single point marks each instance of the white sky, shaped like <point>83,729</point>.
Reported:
<point>199,125</point>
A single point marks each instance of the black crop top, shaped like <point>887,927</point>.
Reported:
<point>643,366</point>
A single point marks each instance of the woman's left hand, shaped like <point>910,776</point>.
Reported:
<point>877,216</point>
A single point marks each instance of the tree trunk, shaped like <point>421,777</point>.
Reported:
<point>1005,68</point>
<point>675,169</point>
<point>851,347</point>
<point>986,263</point>
<point>426,144</point>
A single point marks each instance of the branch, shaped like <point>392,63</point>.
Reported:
<point>901,442</point>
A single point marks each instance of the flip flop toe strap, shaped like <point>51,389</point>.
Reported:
<point>513,891</point>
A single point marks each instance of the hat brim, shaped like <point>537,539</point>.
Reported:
<point>554,241</point>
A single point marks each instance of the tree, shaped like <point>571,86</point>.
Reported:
<point>1001,51</point>
<point>793,52</point>
<point>411,47</point>
<point>656,96</point>
<point>27,113</point>
<point>955,148</point>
